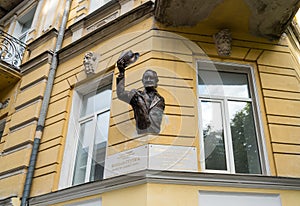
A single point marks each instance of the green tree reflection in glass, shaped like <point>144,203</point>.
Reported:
<point>245,149</point>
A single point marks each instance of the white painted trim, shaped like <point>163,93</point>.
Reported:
<point>69,157</point>
<point>261,142</point>
<point>67,168</point>
<point>261,133</point>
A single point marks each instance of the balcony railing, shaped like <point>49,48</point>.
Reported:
<point>11,50</point>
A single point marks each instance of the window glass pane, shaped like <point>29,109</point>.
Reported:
<point>223,84</point>
<point>245,149</point>
<point>103,99</point>
<point>88,104</point>
<point>26,26</point>
<point>97,100</point>
<point>95,4</point>
<point>213,135</point>
<point>25,23</point>
<point>86,132</point>
<point>100,146</point>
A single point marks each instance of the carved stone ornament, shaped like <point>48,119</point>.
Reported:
<point>90,62</point>
<point>223,42</point>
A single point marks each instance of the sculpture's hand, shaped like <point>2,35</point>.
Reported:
<point>121,66</point>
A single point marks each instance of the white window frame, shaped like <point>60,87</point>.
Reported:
<point>234,68</point>
<point>72,139</point>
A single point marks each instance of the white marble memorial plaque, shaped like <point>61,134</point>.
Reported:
<point>155,157</point>
<point>174,158</point>
<point>126,162</point>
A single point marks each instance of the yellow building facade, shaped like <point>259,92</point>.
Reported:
<point>229,74</point>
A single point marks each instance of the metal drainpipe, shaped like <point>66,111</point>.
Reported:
<point>45,105</point>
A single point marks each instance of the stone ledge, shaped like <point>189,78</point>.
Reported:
<point>166,177</point>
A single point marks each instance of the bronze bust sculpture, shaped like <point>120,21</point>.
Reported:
<point>148,105</point>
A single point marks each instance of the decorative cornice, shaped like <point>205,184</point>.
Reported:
<point>52,33</point>
<point>106,31</point>
<point>37,61</point>
<point>96,15</point>
<point>167,177</point>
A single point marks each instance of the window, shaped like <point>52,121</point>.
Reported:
<point>92,202</point>
<point>207,198</point>
<point>229,125</point>
<point>23,25</point>
<point>95,4</point>
<point>85,152</point>
<point>2,125</point>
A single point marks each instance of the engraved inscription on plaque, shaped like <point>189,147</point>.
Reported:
<point>126,162</point>
<point>174,158</point>
<point>154,157</point>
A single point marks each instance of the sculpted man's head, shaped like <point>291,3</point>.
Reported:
<point>150,79</point>
<point>89,62</point>
<point>223,41</point>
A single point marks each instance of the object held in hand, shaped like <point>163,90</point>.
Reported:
<point>125,59</point>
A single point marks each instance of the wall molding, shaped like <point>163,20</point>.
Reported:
<point>36,62</point>
<point>105,31</point>
<point>167,177</point>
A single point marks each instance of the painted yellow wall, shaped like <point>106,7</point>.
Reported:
<point>278,84</point>
<point>172,53</point>
<point>22,112</point>
<point>135,195</point>
<point>179,195</point>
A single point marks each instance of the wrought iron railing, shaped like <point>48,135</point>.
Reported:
<point>11,50</point>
